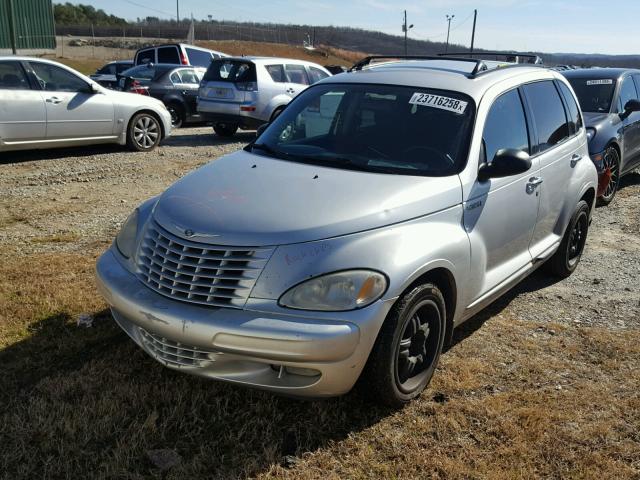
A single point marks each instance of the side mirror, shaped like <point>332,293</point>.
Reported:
<point>261,129</point>
<point>630,107</point>
<point>92,89</point>
<point>507,162</point>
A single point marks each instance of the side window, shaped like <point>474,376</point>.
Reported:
<point>146,56</point>
<point>316,74</point>
<point>276,72</point>
<point>627,92</point>
<point>506,126</point>
<point>575,121</point>
<point>198,57</point>
<point>188,75</point>
<point>296,74</point>
<point>12,77</point>
<point>168,55</point>
<point>548,114</point>
<point>56,79</point>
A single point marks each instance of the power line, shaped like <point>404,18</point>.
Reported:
<point>148,8</point>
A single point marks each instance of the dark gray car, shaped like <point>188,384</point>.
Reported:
<point>609,99</point>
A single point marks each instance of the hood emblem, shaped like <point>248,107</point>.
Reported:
<point>189,233</point>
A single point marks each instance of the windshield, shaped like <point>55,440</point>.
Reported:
<point>593,94</point>
<point>378,128</point>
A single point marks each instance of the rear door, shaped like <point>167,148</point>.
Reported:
<point>186,82</point>
<point>72,111</point>
<point>558,149</point>
<point>22,110</point>
<point>297,78</point>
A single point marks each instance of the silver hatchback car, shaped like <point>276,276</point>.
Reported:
<point>246,92</point>
<point>379,211</point>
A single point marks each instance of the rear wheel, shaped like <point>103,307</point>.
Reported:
<point>177,115</point>
<point>225,129</point>
<point>611,161</point>
<point>408,347</point>
<point>568,255</point>
<point>144,132</point>
<point>275,113</point>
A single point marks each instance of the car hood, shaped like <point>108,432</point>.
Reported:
<point>595,119</point>
<point>244,199</point>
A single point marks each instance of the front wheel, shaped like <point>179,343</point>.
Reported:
<point>567,257</point>
<point>408,347</point>
<point>225,129</point>
<point>144,133</point>
<point>611,161</point>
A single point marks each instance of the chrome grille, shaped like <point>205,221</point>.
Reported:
<point>173,353</point>
<point>194,272</point>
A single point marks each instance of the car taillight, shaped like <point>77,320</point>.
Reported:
<point>247,86</point>
<point>183,59</point>
<point>136,87</point>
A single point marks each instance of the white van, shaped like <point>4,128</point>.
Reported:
<point>177,53</point>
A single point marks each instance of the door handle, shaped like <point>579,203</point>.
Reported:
<point>54,100</point>
<point>533,183</point>
<point>575,158</point>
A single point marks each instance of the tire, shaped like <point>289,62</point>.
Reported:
<point>611,160</point>
<point>390,376</point>
<point>177,115</point>
<point>144,132</point>
<point>566,259</point>
<point>275,114</point>
<point>225,129</point>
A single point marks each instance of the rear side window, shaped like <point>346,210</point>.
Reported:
<point>108,70</point>
<point>627,92</point>
<point>316,74</point>
<point>276,72</point>
<point>575,119</point>
<point>297,74</point>
<point>548,114</point>
<point>235,71</point>
<point>198,58</point>
<point>168,55</point>
<point>146,56</point>
<point>185,75</point>
<point>506,126</point>
<point>12,76</point>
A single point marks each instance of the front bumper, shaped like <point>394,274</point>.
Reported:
<point>262,346</point>
<point>604,174</point>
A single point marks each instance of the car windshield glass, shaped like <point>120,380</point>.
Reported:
<point>236,71</point>
<point>378,128</point>
<point>141,72</point>
<point>594,94</point>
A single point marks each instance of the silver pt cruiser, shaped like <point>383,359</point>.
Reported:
<point>379,211</point>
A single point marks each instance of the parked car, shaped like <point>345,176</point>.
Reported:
<point>246,92</point>
<point>45,104</point>
<point>176,86</point>
<point>609,100</point>
<point>304,261</point>
<point>107,75</point>
<point>177,54</point>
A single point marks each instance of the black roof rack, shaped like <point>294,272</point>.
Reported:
<point>479,64</point>
<point>530,56</point>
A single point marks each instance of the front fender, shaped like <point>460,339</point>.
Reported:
<point>403,252</point>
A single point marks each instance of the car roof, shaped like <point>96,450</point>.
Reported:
<point>612,73</point>
<point>455,75</point>
<point>262,60</point>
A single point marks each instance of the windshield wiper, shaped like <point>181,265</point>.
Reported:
<point>270,150</point>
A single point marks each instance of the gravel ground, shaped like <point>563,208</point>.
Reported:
<point>75,199</point>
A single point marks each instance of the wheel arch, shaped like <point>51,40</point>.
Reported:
<point>163,133</point>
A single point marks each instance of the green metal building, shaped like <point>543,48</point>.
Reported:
<point>26,26</point>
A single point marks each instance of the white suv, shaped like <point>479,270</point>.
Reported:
<point>247,92</point>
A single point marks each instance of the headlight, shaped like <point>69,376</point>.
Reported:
<point>335,292</point>
<point>126,239</point>
<point>591,132</point>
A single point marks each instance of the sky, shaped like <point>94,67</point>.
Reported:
<point>570,26</point>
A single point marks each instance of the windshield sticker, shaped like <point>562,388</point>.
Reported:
<point>438,101</point>
<point>606,81</point>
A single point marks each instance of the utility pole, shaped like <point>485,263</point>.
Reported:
<point>449,18</point>
<point>473,32</point>
<point>405,29</point>
<point>12,27</point>
<point>177,12</point>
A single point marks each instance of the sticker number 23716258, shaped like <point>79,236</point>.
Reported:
<point>438,101</point>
